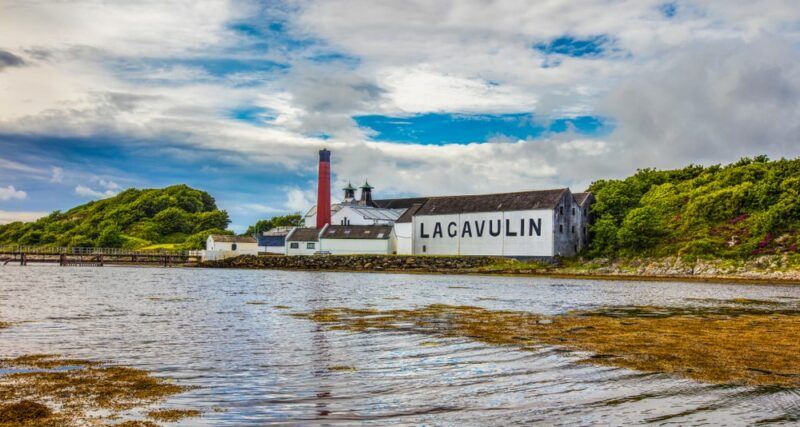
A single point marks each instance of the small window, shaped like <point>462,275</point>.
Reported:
<point>310,246</point>
<point>584,211</point>
<point>233,246</point>
<point>572,229</point>
<point>346,231</point>
<point>573,211</point>
<point>561,210</point>
<point>560,228</point>
<point>367,231</point>
<point>380,235</point>
<point>331,231</point>
<point>294,245</point>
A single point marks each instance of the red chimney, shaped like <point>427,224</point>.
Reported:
<point>324,189</point>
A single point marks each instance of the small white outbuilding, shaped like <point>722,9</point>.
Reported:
<point>226,246</point>
<point>302,241</point>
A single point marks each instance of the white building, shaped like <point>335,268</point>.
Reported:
<point>226,246</point>
<point>357,239</point>
<point>302,241</point>
<point>342,240</point>
<point>539,224</point>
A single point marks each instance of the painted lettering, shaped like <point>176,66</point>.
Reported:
<point>508,229</point>
<point>479,228</point>
<point>491,229</point>
<point>535,225</point>
<point>466,230</point>
<point>437,229</point>
<point>452,229</point>
<point>422,234</point>
<point>522,226</point>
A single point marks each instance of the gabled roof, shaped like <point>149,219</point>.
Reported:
<point>370,213</point>
<point>580,198</point>
<point>399,203</point>
<point>408,215</point>
<point>313,210</point>
<point>301,234</point>
<point>233,239</point>
<point>371,232</point>
<point>520,201</point>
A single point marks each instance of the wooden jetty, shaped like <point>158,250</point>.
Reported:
<point>95,257</point>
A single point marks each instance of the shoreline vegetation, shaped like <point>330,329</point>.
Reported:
<point>739,342</point>
<point>49,390</point>
<point>768,269</point>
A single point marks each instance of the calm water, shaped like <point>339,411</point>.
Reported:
<point>262,366</point>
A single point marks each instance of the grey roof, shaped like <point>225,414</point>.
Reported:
<point>409,213</point>
<point>233,239</point>
<point>301,234</point>
<point>399,203</point>
<point>313,210</point>
<point>357,232</point>
<point>580,198</point>
<point>368,212</point>
<point>520,201</point>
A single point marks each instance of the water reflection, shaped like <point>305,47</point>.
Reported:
<point>263,366</point>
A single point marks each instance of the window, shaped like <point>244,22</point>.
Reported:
<point>561,210</point>
<point>294,245</point>
<point>233,246</point>
<point>584,211</point>
<point>310,245</point>
<point>573,229</point>
<point>380,235</point>
<point>560,228</point>
<point>573,211</point>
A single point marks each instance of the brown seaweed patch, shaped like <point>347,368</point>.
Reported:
<point>4,325</point>
<point>257,303</point>
<point>23,412</point>
<point>734,346</point>
<point>341,368</point>
<point>81,389</point>
<point>281,307</point>
<point>172,415</point>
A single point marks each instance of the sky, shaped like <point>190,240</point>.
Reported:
<point>421,97</point>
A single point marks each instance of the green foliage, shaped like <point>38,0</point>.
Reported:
<point>293,220</point>
<point>745,209</point>
<point>132,219</point>
<point>197,241</point>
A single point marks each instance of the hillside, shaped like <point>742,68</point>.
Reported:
<point>176,216</point>
<point>743,210</point>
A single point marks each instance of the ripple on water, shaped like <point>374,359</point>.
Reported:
<point>262,366</point>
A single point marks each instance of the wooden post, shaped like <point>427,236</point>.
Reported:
<point>62,260</point>
<point>23,260</point>
<point>100,258</point>
<point>166,260</point>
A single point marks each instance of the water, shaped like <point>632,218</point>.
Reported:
<point>219,329</point>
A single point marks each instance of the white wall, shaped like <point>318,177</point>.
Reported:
<point>272,249</point>
<point>212,245</point>
<point>357,246</point>
<point>510,241</point>
<point>403,233</point>
<point>311,221</point>
<point>302,248</point>
<point>211,255</point>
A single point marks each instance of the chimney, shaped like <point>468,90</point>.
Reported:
<point>349,194</point>
<point>366,195</point>
<point>324,189</point>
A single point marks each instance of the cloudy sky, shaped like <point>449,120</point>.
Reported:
<point>421,97</point>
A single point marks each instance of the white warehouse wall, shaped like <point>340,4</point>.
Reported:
<point>521,244</point>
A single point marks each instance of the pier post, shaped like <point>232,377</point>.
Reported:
<point>100,259</point>
<point>23,260</point>
<point>62,260</point>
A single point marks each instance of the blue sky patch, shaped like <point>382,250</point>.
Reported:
<point>589,47</point>
<point>442,128</point>
<point>668,9</point>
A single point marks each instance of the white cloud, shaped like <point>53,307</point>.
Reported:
<point>299,200</point>
<point>84,191</point>
<point>9,216</point>
<point>11,193</point>
<point>57,174</point>
<point>718,81</point>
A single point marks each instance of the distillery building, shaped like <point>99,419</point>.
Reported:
<point>527,224</point>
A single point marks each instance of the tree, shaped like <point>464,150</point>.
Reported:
<point>110,238</point>
<point>292,220</point>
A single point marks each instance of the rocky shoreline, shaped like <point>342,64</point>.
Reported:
<point>767,269</point>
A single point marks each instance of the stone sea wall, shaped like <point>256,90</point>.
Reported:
<point>356,263</point>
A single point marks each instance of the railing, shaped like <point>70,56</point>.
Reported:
<point>33,250</point>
